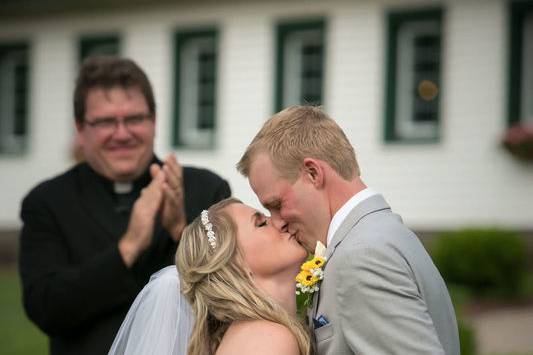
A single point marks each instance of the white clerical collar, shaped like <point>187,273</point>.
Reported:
<point>343,212</point>
<point>122,187</point>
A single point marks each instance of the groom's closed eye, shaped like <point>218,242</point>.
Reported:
<point>273,205</point>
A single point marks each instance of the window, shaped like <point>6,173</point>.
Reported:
<point>195,92</point>
<point>300,64</point>
<point>98,45</point>
<point>13,97</point>
<point>413,76</point>
<point>520,63</point>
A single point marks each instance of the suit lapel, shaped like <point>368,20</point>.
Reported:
<point>99,204</point>
<point>370,205</point>
<point>313,309</point>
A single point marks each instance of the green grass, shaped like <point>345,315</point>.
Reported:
<point>527,287</point>
<point>19,335</point>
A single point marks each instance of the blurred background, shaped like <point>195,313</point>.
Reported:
<point>435,96</point>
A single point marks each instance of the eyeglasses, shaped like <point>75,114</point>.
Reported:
<point>110,124</point>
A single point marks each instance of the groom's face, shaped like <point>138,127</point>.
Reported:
<point>297,207</point>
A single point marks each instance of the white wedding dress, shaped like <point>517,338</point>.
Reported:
<point>159,320</point>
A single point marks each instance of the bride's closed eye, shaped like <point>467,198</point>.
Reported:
<point>260,220</point>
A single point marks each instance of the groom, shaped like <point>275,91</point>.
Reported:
<point>381,293</point>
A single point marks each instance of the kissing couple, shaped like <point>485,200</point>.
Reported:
<point>375,289</point>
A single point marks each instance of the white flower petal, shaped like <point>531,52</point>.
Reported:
<point>320,249</point>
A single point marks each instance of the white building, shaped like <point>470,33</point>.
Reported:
<point>423,89</point>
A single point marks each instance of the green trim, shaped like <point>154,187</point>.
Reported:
<point>284,29</point>
<point>23,126</point>
<point>517,13</point>
<point>87,43</point>
<point>395,20</point>
<point>180,39</point>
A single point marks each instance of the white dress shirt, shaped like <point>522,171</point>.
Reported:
<point>343,212</point>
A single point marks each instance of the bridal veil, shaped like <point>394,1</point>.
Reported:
<point>159,320</point>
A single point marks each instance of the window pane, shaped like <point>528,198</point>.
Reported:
<point>13,98</point>
<point>414,76</point>
<point>311,73</point>
<point>196,89</point>
<point>206,88</point>
<point>520,71</point>
<point>527,69</point>
<point>21,90</point>
<point>301,65</point>
<point>425,84</point>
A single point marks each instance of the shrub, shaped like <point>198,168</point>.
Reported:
<point>467,337</point>
<point>487,261</point>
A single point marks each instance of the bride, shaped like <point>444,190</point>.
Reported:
<point>237,274</point>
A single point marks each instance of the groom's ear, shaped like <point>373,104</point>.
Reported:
<point>313,172</point>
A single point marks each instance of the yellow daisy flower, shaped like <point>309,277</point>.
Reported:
<point>306,278</point>
<point>314,263</point>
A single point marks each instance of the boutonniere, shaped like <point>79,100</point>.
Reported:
<point>311,273</point>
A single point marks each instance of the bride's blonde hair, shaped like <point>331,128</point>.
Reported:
<point>219,288</point>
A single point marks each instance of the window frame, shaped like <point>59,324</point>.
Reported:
<point>283,30</point>
<point>20,46</point>
<point>181,38</point>
<point>395,19</point>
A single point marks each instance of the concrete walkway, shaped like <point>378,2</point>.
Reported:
<point>504,331</point>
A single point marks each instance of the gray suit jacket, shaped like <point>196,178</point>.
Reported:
<point>381,292</point>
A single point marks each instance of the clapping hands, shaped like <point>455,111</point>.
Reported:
<point>172,208</point>
<point>164,195</point>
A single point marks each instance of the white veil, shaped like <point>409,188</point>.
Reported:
<point>159,320</point>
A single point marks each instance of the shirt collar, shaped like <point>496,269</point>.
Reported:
<point>136,185</point>
<point>343,212</point>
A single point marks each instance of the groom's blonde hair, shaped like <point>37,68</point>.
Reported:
<point>216,283</point>
<point>300,132</point>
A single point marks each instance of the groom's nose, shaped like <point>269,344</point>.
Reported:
<point>279,223</point>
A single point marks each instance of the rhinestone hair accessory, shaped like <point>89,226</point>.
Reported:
<point>211,238</point>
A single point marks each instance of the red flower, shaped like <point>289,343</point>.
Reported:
<point>518,140</point>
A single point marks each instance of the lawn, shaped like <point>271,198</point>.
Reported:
<point>19,335</point>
